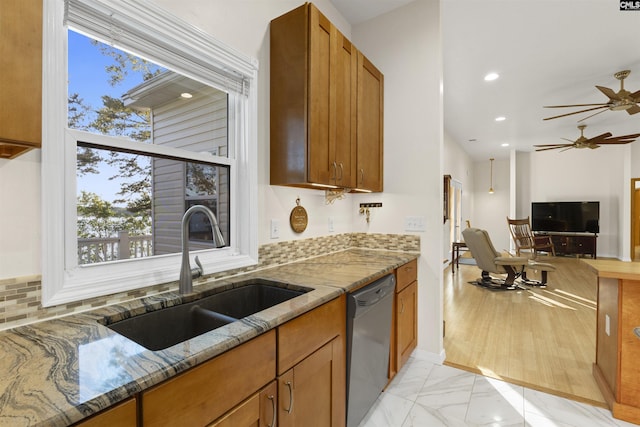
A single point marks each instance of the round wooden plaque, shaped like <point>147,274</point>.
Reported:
<point>298,218</point>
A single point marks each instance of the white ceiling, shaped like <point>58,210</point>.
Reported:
<point>547,52</point>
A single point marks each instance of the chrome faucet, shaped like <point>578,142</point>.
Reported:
<point>186,275</point>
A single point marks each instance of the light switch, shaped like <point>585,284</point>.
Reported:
<point>275,229</point>
<point>415,223</point>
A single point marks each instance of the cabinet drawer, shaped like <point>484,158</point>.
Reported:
<point>305,334</point>
<point>207,391</point>
<point>406,274</point>
<point>122,414</point>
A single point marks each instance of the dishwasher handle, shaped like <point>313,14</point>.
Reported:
<point>367,297</point>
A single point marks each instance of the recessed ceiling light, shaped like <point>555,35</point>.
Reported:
<point>501,119</point>
<point>506,144</point>
<point>186,95</point>
<point>491,77</point>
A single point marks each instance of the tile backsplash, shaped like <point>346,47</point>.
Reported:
<point>20,297</point>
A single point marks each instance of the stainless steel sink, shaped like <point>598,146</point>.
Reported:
<point>160,329</point>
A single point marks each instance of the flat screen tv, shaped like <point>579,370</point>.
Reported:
<point>573,217</point>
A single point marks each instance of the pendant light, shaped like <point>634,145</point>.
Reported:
<point>491,176</point>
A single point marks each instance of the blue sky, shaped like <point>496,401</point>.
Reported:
<point>89,78</point>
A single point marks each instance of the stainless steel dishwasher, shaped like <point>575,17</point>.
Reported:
<point>368,335</point>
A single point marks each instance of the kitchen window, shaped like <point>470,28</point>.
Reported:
<point>166,121</point>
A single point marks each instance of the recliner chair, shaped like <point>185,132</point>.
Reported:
<point>489,260</point>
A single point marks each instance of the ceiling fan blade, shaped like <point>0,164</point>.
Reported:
<point>608,93</point>
<point>568,148</point>
<point>633,110</point>
<point>601,137</point>
<point>553,148</point>
<point>615,142</point>
<point>577,112</point>
<point>591,115</point>
<point>631,136</point>
<point>575,105</point>
<point>635,95</point>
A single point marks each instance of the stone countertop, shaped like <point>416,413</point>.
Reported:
<point>57,372</point>
<point>615,269</point>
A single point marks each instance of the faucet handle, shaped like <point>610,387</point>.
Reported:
<point>197,271</point>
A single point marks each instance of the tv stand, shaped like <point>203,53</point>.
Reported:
<point>574,243</point>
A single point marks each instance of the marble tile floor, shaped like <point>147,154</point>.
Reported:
<point>424,394</point>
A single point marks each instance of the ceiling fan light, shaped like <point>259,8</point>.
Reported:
<point>621,106</point>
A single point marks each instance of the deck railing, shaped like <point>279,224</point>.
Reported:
<point>93,250</point>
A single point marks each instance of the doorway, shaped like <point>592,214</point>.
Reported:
<point>455,204</point>
<point>635,219</point>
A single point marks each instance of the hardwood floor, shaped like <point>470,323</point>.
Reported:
<point>543,338</point>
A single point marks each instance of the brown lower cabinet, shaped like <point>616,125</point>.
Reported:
<point>312,392</point>
<point>311,368</point>
<point>404,331</point>
<point>260,410</point>
<point>122,415</point>
<point>208,391</point>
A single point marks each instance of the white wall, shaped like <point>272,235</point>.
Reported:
<point>457,163</point>
<point>490,211</point>
<point>20,215</point>
<point>405,45</point>
<point>589,175</point>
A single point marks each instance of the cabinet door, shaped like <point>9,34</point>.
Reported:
<point>321,158</point>
<point>407,322</point>
<point>257,411</point>
<point>122,414</point>
<point>343,111</point>
<point>21,82</point>
<point>312,393</point>
<point>369,126</point>
<point>206,392</point>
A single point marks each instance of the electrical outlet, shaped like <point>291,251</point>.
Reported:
<point>275,229</point>
<point>330,224</point>
<point>607,325</point>
<point>415,223</point>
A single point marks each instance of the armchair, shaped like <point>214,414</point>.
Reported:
<point>524,238</point>
<point>489,260</point>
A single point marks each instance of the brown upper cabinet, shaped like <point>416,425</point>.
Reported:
<point>323,98</point>
<point>369,126</point>
<point>21,82</point>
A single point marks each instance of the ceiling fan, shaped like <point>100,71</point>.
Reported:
<point>622,100</point>
<point>595,142</point>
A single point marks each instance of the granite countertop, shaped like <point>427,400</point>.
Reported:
<point>57,372</point>
<point>615,269</point>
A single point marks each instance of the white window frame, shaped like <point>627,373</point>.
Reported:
<point>63,280</point>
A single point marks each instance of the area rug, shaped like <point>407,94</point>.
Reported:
<point>495,288</point>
